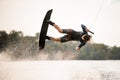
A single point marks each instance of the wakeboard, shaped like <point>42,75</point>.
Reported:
<point>44,29</point>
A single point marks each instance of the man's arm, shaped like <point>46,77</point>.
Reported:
<point>81,45</point>
<point>85,29</point>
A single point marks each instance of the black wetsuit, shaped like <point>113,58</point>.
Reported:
<point>74,35</point>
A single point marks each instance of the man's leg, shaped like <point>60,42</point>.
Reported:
<point>68,31</point>
<point>55,26</point>
<point>53,39</point>
<point>58,28</point>
<point>65,38</point>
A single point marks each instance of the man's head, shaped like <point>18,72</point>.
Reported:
<point>86,37</point>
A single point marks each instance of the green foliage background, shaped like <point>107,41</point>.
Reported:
<point>20,47</point>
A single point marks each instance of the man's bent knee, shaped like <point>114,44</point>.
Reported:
<point>61,31</point>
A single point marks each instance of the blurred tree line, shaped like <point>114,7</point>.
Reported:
<point>16,42</point>
<point>6,39</point>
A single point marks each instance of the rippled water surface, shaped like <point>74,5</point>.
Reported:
<point>60,70</point>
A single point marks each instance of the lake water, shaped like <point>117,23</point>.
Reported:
<point>60,70</point>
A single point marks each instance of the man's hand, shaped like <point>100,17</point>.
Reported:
<point>77,48</point>
<point>89,31</point>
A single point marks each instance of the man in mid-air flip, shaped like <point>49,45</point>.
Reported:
<point>71,35</point>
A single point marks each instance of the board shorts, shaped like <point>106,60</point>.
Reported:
<point>67,37</point>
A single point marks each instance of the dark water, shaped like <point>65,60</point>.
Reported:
<point>60,70</point>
